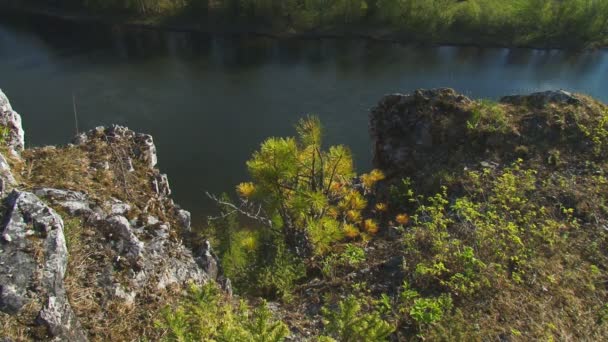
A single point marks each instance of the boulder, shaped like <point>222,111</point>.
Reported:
<point>74,202</point>
<point>33,262</point>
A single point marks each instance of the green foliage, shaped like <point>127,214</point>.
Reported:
<point>205,315</point>
<point>349,324</point>
<point>262,328</point>
<point>430,310</point>
<point>278,276</point>
<point>487,116</point>
<point>256,260</point>
<point>492,240</point>
<point>597,132</point>
<point>309,188</point>
<point>572,23</point>
<point>137,6</point>
<point>72,230</point>
<point>237,246</point>
<point>428,18</point>
<point>309,202</point>
<point>502,238</point>
<point>4,134</point>
<point>496,230</point>
<point>351,257</point>
<point>603,314</point>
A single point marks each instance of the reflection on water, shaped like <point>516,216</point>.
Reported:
<point>210,101</point>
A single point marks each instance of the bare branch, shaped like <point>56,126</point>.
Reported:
<point>247,209</point>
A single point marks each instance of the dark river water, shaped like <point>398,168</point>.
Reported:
<point>210,101</point>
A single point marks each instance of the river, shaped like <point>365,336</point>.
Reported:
<point>210,101</point>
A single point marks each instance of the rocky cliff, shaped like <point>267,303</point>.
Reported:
<point>490,222</point>
<point>91,241</point>
<point>430,133</point>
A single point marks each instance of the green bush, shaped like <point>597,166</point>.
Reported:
<point>572,23</point>
<point>309,189</point>
<point>256,260</point>
<point>351,257</point>
<point>349,324</point>
<point>430,310</point>
<point>207,315</point>
<point>489,117</point>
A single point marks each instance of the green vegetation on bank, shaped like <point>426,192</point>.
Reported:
<point>501,236</point>
<point>554,23</point>
<point>510,251</point>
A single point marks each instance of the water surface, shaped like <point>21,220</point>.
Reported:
<point>210,101</point>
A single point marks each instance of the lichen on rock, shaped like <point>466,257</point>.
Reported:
<point>33,265</point>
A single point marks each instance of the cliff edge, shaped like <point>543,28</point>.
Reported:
<point>91,241</point>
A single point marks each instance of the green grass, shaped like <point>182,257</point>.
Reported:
<point>538,23</point>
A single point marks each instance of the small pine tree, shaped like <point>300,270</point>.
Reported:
<point>349,324</point>
<point>309,188</point>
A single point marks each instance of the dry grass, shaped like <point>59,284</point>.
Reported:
<point>98,168</point>
<point>102,171</point>
<point>103,318</point>
<point>21,327</point>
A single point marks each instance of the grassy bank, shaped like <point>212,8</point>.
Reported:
<point>493,229</point>
<point>523,23</point>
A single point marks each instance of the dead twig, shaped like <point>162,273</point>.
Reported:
<point>248,209</point>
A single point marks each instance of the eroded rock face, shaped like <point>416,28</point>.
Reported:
<point>9,119</point>
<point>144,246</point>
<point>427,135</point>
<point>405,128</point>
<point>541,99</point>
<point>142,145</point>
<point>33,262</point>
<point>128,251</point>
<point>74,202</point>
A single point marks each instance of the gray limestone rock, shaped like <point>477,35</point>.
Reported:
<point>74,202</point>
<point>207,260</point>
<point>185,219</point>
<point>11,120</point>
<point>7,181</point>
<point>33,262</point>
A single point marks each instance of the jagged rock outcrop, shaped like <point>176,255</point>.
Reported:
<point>428,132</point>
<point>33,264</point>
<point>541,99</point>
<point>70,258</point>
<point>406,128</point>
<point>11,122</point>
<point>144,243</point>
<point>143,147</point>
